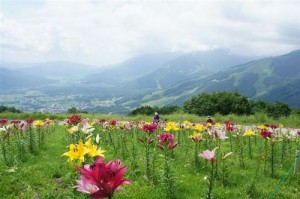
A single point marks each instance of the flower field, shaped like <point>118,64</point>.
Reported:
<point>98,158</point>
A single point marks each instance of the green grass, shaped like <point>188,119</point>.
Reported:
<point>47,174</point>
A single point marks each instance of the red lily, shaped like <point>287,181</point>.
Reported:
<point>108,177</point>
<point>272,126</point>
<point>29,120</point>
<point>149,128</point>
<point>229,126</point>
<point>74,119</point>
<point>166,140</point>
<point>3,121</point>
<point>266,134</point>
<point>113,123</point>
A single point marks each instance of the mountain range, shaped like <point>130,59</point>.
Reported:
<point>150,79</point>
<point>272,79</point>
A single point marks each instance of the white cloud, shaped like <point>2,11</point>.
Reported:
<point>101,32</point>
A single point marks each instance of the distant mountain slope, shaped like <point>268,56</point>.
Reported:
<point>13,80</point>
<point>187,66</point>
<point>274,78</point>
<point>132,68</point>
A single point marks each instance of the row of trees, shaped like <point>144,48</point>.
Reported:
<point>233,103</point>
<point>223,103</point>
<point>9,109</point>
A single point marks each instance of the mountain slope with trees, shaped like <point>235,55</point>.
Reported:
<point>274,78</point>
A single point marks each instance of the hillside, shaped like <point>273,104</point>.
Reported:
<point>130,69</point>
<point>187,66</point>
<point>153,79</point>
<point>10,79</point>
<point>273,78</point>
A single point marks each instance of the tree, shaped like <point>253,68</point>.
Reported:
<point>218,102</point>
<point>9,109</point>
<point>72,110</point>
<point>278,109</point>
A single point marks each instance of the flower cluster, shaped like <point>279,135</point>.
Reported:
<point>196,137</point>
<point>101,179</point>
<point>229,126</point>
<point>266,134</point>
<point>73,120</point>
<point>166,141</point>
<point>149,128</point>
<point>171,126</point>
<point>78,152</point>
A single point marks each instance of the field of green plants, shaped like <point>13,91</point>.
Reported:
<point>183,156</point>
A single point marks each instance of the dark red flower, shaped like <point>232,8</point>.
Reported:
<point>229,126</point>
<point>272,126</point>
<point>3,121</point>
<point>15,122</point>
<point>298,133</point>
<point>149,128</point>
<point>266,134</point>
<point>101,121</point>
<point>113,123</point>
<point>29,120</point>
<point>74,119</point>
<point>166,140</point>
<point>108,177</point>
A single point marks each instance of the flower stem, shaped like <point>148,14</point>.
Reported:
<point>250,148</point>
<point>272,158</point>
<point>230,140</point>
<point>211,179</point>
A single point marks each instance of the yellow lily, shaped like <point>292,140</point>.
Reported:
<point>92,149</point>
<point>76,152</point>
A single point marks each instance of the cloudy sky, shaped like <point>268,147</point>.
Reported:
<point>106,32</point>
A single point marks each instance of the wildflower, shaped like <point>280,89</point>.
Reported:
<point>266,134</point>
<point>149,128</point>
<point>85,187</point>
<point>171,126</point>
<point>199,127</point>
<point>76,152</point>
<point>29,120</point>
<point>86,129</point>
<point>101,121</point>
<point>22,125</point>
<point>166,140</point>
<point>217,124</point>
<point>112,123</point>
<point>107,177</point>
<point>209,155</point>
<point>196,137</point>
<point>38,123</point>
<point>3,121</point>
<point>92,149</point>
<point>73,129</point>
<point>229,126</point>
<point>74,120</point>
<point>221,134</point>
<point>272,126</point>
<point>249,133</point>
<point>228,155</point>
<point>262,127</point>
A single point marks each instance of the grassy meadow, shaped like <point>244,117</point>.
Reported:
<point>32,165</point>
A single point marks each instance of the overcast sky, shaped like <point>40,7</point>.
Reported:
<point>106,32</point>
